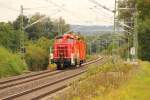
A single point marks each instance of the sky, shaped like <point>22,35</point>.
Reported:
<point>75,12</point>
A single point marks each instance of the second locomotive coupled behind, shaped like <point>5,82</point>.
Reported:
<point>68,49</point>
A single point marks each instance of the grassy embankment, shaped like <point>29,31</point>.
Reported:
<point>10,64</point>
<point>117,81</point>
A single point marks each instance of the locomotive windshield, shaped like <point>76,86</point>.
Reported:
<point>59,39</point>
<point>70,40</point>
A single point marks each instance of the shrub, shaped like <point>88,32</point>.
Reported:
<point>36,58</point>
<point>38,53</point>
<point>10,64</point>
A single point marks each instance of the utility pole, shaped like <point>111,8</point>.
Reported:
<point>61,26</point>
<point>131,24</point>
<point>58,25</point>
<point>114,30</point>
<point>135,38</point>
<point>115,11</point>
<point>22,47</point>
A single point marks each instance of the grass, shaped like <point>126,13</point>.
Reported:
<point>91,57</point>
<point>138,88</point>
<point>112,81</point>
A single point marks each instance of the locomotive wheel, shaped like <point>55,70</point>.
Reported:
<point>81,62</point>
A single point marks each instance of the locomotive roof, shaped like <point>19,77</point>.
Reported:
<point>69,35</point>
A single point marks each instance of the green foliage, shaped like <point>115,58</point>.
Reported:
<point>42,28</point>
<point>136,89</point>
<point>123,51</point>
<point>60,26</point>
<point>144,40</point>
<point>99,43</point>
<point>38,53</point>
<point>52,67</point>
<point>143,29</point>
<point>35,57</point>
<point>126,14</point>
<point>10,64</point>
<point>143,9</point>
<point>37,38</point>
<point>17,24</point>
<point>89,57</point>
<point>44,43</point>
<point>45,27</point>
<point>9,38</point>
<point>117,66</point>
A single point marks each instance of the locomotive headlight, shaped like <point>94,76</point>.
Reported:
<point>72,59</point>
<point>51,56</point>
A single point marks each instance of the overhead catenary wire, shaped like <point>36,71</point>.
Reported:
<point>100,5</point>
<point>40,20</point>
<point>78,18</point>
<point>70,12</point>
<point>106,17</point>
<point>101,10</point>
<point>100,13</point>
<point>74,15</point>
<point>64,9</point>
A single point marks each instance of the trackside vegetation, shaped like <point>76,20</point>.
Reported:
<point>119,81</point>
<point>38,39</point>
<point>135,89</point>
<point>10,63</point>
<point>37,54</point>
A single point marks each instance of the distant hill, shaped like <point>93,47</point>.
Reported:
<point>91,29</point>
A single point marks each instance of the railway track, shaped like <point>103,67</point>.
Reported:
<point>38,85</point>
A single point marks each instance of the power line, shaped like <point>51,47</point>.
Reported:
<point>104,7</point>
<point>62,8</point>
<point>100,13</point>
<point>40,20</point>
<point>106,14</point>
<point>22,40</point>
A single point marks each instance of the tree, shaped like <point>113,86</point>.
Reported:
<point>10,38</point>
<point>60,26</point>
<point>45,43</point>
<point>143,29</point>
<point>17,22</point>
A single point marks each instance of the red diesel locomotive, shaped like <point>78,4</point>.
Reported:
<point>69,49</point>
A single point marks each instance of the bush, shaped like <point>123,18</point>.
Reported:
<point>44,43</point>
<point>10,64</point>
<point>38,53</point>
<point>36,58</point>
